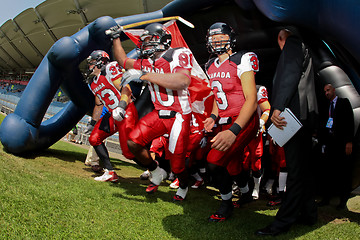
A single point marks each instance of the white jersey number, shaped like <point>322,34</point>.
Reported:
<point>221,99</point>
<point>170,96</point>
<point>107,93</point>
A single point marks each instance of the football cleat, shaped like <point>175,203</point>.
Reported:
<point>152,188</point>
<point>274,202</point>
<point>108,176</point>
<point>217,218</point>
<point>175,184</point>
<point>244,199</point>
<point>224,212</point>
<point>180,194</point>
<point>145,175</point>
<point>198,184</point>
<point>178,198</point>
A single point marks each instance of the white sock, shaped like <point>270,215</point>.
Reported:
<point>202,170</point>
<point>282,181</point>
<point>226,196</point>
<point>257,182</point>
<point>197,177</point>
<point>269,185</point>
<point>182,192</point>
<point>244,189</point>
<point>156,176</point>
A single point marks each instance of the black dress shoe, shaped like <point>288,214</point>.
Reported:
<point>269,231</point>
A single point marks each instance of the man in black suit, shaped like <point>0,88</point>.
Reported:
<point>293,88</point>
<point>337,137</point>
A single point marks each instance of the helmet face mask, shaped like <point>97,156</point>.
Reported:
<point>98,58</point>
<point>220,38</point>
<point>156,38</point>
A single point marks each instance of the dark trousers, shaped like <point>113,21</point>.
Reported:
<point>299,199</point>
<point>337,171</point>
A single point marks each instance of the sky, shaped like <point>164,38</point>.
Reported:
<point>11,8</point>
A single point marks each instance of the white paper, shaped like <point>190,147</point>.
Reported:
<point>282,136</point>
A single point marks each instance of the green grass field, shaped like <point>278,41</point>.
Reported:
<point>52,195</point>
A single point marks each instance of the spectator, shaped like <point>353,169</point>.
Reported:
<point>70,136</point>
<point>337,138</point>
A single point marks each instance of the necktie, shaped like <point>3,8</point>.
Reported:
<point>332,109</point>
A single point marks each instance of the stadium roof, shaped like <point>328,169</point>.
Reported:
<point>25,40</point>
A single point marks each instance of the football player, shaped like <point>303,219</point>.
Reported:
<point>255,149</point>
<point>232,78</point>
<point>105,83</point>
<point>167,72</point>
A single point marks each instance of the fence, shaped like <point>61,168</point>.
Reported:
<point>9,100</point>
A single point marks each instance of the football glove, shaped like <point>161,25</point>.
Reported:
<point>203,142</point>
<point>118,114</point>
<point>90,126</point>
<point>131,75</point>
<point>114,32</point>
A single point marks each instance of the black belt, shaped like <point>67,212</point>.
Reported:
<point>166,114</point>
<point>225,120</point>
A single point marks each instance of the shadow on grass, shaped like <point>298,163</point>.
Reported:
<point>198,206</point>
<point>64,155</point>
<point>201,203</point>
<point>329,213</point>
<point>71,156</point>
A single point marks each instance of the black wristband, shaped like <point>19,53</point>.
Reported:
<point>92,122</point>
<point>213,116</point>
<point>122,104</point>
<point>235,129</point>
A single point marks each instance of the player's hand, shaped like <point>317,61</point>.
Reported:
<point>90,127</point>
<point>209,124</point>
<point>261,124</point>
<point>118,114</point>
<point>223,140</point>
<point>261,127</point>
<point>277,120</point>
<point>114,32</point>
<point>131,75</point>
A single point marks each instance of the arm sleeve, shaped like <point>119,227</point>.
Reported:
<point>288,73</point>
<point>249,62</point>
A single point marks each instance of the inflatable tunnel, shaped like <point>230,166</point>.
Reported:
<point>329,26</point>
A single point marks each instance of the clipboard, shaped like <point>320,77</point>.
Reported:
<point>283,136</point>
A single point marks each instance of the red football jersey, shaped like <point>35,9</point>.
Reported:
<point>225,81</point>
<point>172,61</point>
<point>262,96</point>
<point>104,89</point>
